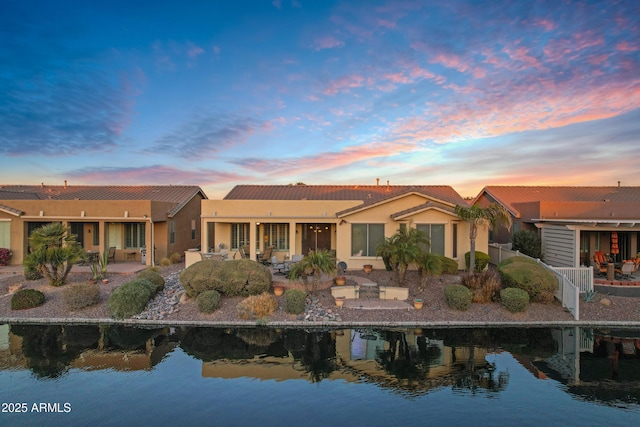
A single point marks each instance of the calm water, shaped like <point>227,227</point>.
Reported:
<point>82,375</point>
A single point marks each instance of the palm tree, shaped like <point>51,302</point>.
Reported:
<point>315,263</point>
<point>494,214</point>
<point>402,249</point>
<point>54,250</point>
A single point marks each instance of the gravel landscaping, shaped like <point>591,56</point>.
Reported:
<point>168,308</point>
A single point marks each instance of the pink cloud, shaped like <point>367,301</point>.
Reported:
<point>328,42</point>
<point>343,84</point>
<point>625,46</point>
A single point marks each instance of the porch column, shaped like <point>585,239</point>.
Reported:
<point>204,235</point>
<point>102,236</point>
<point>253,239</point>
<point>292,238</point>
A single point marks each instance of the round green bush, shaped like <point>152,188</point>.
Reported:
<point>526,274</point>
<point>81,295</point>
<point>449,265</point>
<point>208,301</point>
<point>294,301</point>
<point>515,300</point>
<point>26,298</point>
<point>154,277</point>
<point>482,260</point>
<point>458,297</point>
<point>130,298</point>
<point>231,278</point>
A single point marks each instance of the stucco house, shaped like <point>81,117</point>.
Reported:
<point>573,222</point>
<point>347,219</point>
<point>129,218</point>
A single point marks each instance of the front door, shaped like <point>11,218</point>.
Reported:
<point>316,236</point>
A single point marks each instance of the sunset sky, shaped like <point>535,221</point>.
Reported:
<point>220,93</point>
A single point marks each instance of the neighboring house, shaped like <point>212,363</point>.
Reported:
<point>128,218</point>
<point>347,219</point>
<point>574,222</point>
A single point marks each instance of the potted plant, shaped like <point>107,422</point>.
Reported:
<point>368,268</point>
<point>340,280</point>
<point>340,301</point>
<point>278,290</point>
<point>5,256</point>
<point>417,303</point>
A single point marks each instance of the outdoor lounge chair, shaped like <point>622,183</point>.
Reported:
<point>598,269</point>
<point>627,269</point>
<point>266,256</point>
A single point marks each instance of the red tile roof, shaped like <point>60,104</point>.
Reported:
<point>514,196</point>
<point>179,194</point>
<point>368,194</point>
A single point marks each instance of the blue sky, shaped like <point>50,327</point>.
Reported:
<point>220,93</point>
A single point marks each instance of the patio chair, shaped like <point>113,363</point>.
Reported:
<point>598,269</point>
<point>266,256</point>
<point>627,270</point>
<point>112,254</point>
<point>277,266</point>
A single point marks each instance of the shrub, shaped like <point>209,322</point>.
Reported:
<point>528,242</point>
<point>26,298</point>
<point>257,306</point>
<point>515,300</point>
<point>458,297</point>
<point>449,265</point>
<point>165,262</point>
<point>154,277</point>
<point>482,260</point>
<point>523,273</point>
<point>130,298</point>
<point>294,301</point>
<point>81,295</point>
<point>31,271</point>
<point>485,286</point>
<point>231,278</point>
<point>208,301</point>
<point>175,258</point>
<point>5,256</point>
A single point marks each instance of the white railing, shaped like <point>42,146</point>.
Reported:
<point>580,276</point>
<point>567,293</point>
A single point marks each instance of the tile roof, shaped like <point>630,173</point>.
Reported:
<point>179,194</point>
<point>511,196</point>
<point>161,193</point>
<point>368,194</point>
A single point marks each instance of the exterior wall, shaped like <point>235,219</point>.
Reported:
<point>183,219</point>
<point>102,212</point>
<point>222,213</point>
<point>559,246</point>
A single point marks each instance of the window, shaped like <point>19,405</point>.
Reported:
<point>277,235</point>
<point>133,235</point>
<point>454,229</point>
<point>5,234</point>
<point>114,233</point>
<point>193,229</point>
<point>96,234</point>
<point>239,235</point>
<point>365,238</point>
<point>172,232</point>
<point>435,233</point>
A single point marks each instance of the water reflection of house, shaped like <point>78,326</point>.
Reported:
<point>594,364</point>
<point>102,354</point>
<point>357,360</point>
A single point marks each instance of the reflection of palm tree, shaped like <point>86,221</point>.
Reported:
<point>313,352</point>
